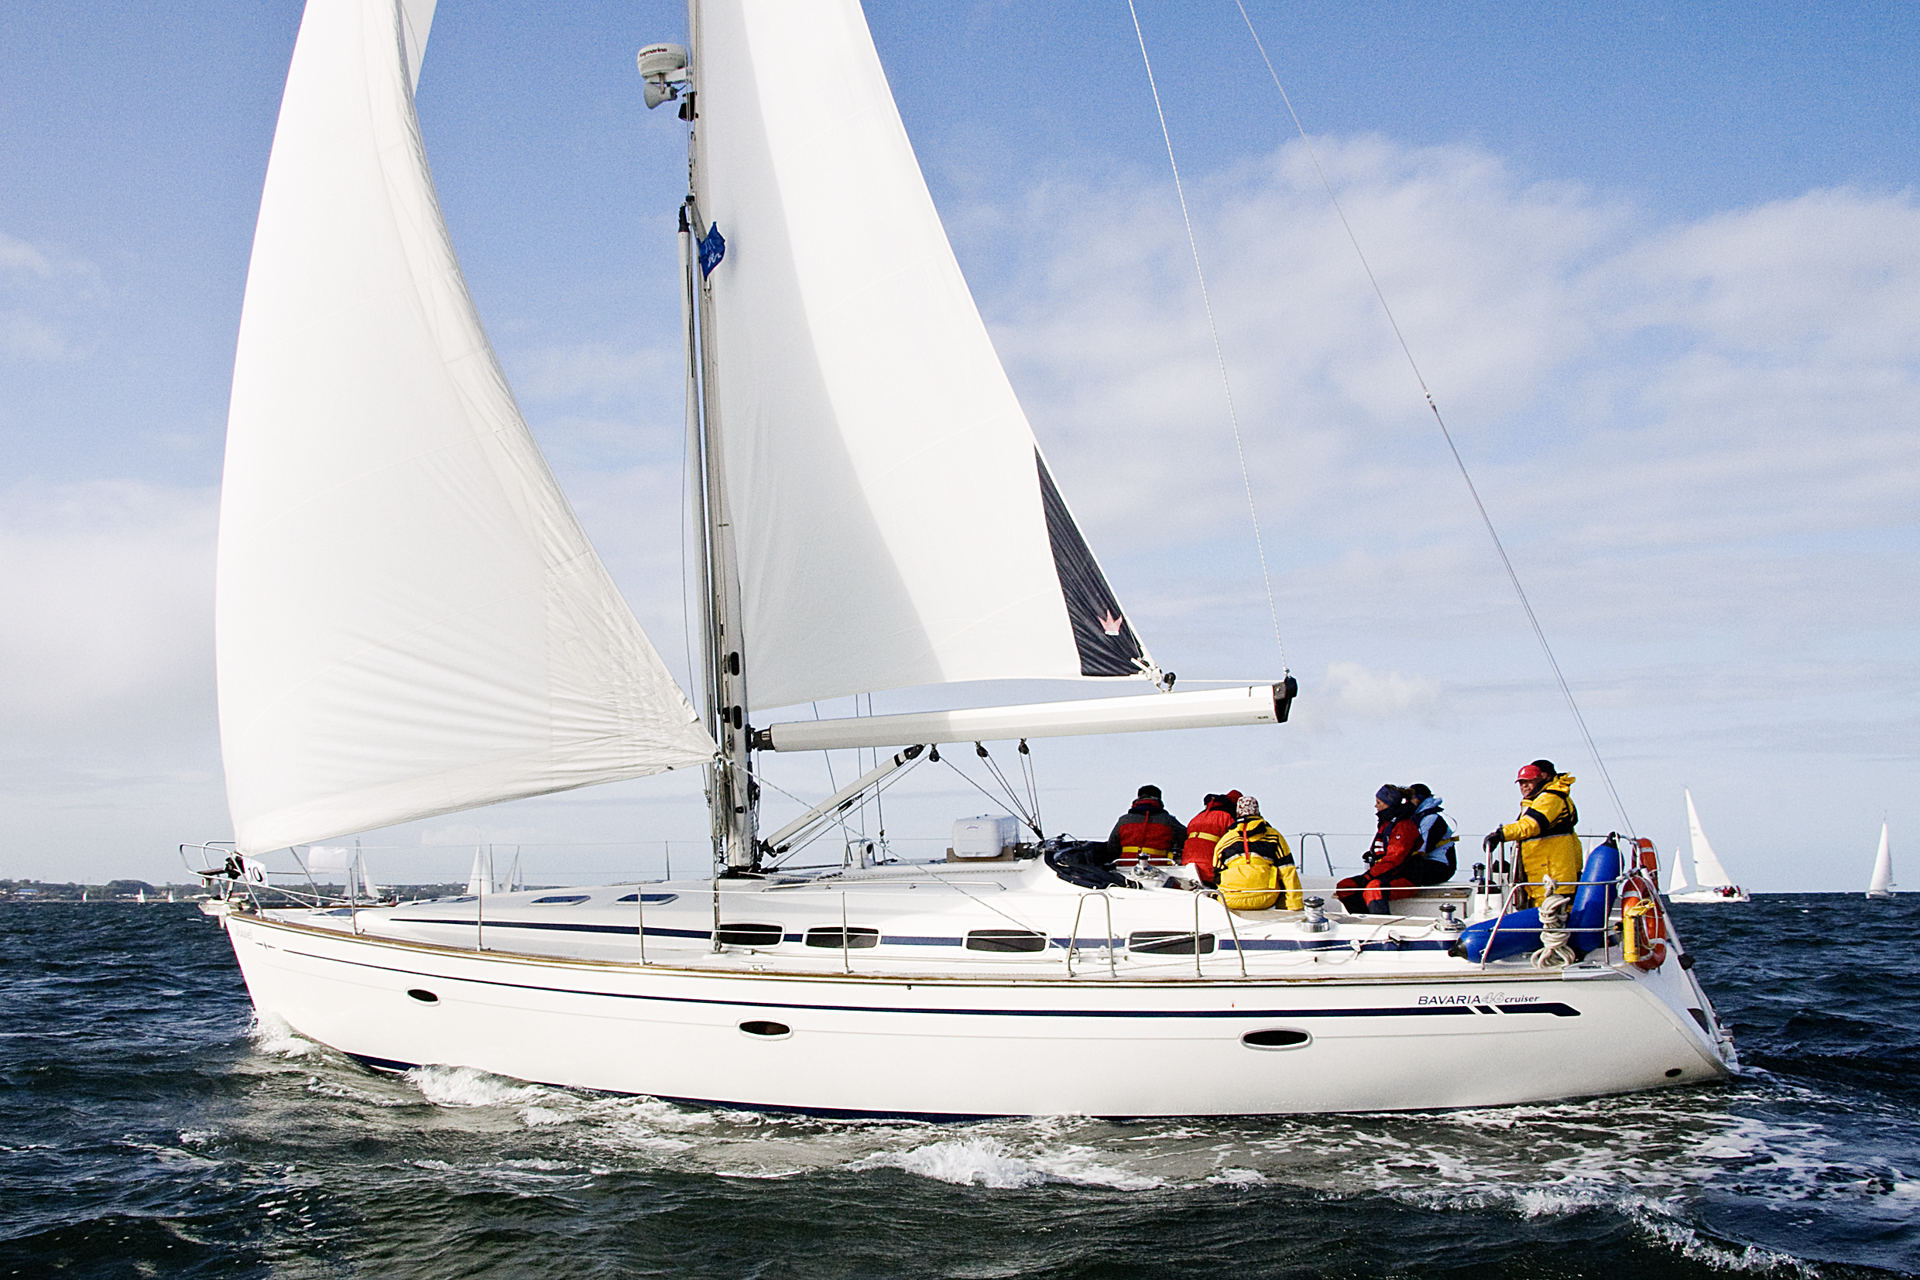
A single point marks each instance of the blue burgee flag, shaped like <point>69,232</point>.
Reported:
<point>713,247</point>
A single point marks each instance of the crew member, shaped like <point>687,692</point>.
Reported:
<point>1147,832</point>
<point>1254,864</point>
<point>1437,836</point>
<point>1544,829</point>
<point>1204,832</point>
<point>1390,858</point>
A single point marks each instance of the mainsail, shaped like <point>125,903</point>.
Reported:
<point>894,521</point>
<point>1881,885</point>
<point>409,618</point>
<point>1707,871</point>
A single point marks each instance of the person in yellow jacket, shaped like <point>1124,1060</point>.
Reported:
<point>1544,829</point>
<point>1253,865</point>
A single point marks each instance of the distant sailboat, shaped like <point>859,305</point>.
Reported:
<point>1881,886</point>
<point>1710,881</point>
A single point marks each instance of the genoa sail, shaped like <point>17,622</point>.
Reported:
<point>1678,881</point>
<point>893,520</point>
<point>409,618</point>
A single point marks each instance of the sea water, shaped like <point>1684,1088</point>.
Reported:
<point>149,1126</point>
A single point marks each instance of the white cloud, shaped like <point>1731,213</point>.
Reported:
<point>1360,694</point>
<point>39,288</point>
<point>109,588</point>
<point>19,257</point>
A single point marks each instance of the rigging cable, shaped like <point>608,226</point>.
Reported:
<point>1009,798</point>
<point>1533,621</point>
<point>1219,354</point>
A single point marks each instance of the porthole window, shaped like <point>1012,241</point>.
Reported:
<point>767,1030</point>
<point>853,939</point>
<point>1021,940</point>
<point>649,899</point>
<point>750,935</point>
<point>1275,1038</point>
<point>558,898</point>
<point>424,996</point>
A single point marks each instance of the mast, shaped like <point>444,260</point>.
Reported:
<point>732,796</point>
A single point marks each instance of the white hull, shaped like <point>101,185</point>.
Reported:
<point>1112,1039</point>
<point>1733,894</point>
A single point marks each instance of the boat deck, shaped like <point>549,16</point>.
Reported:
<point>999,920</point>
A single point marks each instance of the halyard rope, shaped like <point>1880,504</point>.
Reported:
<point>1233,416</point>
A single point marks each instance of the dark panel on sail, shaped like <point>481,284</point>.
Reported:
<point>1101,633</point>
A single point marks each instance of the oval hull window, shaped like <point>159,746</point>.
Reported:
<point>424,996</point>
<point>1275,1038</point>
<point>767,1030</point>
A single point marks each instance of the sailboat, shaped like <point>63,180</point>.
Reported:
<point>1881,885</point>
<point>1710,881</point>
<point>411,622</point>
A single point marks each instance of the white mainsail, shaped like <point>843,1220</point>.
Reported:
<point>1707,871</point>
<point>893,520</point>
<point>409,618</point>
<point>1881,885</point>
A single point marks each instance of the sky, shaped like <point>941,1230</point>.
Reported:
<point>1658,264</point>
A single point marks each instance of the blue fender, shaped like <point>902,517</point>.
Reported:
<point>1519,931</point>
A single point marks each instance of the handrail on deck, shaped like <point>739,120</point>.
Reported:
<point>1073,937</point>
<point>1606,918</point>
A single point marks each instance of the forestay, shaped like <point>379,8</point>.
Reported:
<point>410,620</point>
<point>891,513</point>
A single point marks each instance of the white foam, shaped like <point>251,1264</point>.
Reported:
<point>1690,1244</point>
<point>986,1161</point>
<point>468,1087</point>
<point>965,1162</point>
<point>271,1034</point>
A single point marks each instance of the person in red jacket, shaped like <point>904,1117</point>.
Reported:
<point>1204,832</point>
<point>1147,832</point>
<point>1396,842</point>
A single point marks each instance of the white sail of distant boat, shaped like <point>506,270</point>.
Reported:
<point>1710,881</point>
<point>1881,885</point>
<point>1679,877</point>
<point>411,622</point>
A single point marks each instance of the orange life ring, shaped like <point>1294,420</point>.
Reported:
<point>1643,926</point>
<point>1648,859</point>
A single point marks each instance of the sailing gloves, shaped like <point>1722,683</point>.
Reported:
<point>1492,841</point>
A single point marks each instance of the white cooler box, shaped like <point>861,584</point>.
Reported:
<point>992,836</point>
